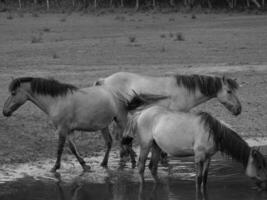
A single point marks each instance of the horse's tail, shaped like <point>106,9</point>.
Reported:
<point>130,129</point>
<point>140,101</point>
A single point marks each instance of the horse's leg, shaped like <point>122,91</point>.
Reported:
<point>155,156</point>
<point>199,177</point>
<point>61,142</point>
<point>206,165</point>
<point>164,158</point>
<point>132,153</point>
<point>77,155</point>
<point>108,140</point>
<point>126,141</point>
<point>126,149</point>
<point>144,150</point>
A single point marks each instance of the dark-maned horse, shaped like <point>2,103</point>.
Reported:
<point>185,91</point>
<point>187,134</point>
<point>71,108</point>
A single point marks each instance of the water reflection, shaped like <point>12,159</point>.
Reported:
<point>120,190</point>
<point>226,181</point>
<point>170,189</point>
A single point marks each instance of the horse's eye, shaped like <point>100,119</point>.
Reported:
<point>13,93</point>
<point>229,92</point>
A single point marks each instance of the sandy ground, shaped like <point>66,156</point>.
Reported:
<point>80,48</point>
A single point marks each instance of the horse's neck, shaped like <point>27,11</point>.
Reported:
<point>185,100</point>
<point>44,102</point>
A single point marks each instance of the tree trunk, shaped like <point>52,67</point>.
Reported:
<point>95,4</point>
<point>137,5</point>
<point>209,4</point>
<point>19,4</point>
<point>47,4</point>
<point>256,3</point>
<point>154,3</point>
<point>231,3</point>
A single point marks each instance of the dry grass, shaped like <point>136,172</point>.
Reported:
<point>55,56</point>
<point>132,39</point>
<point>162,35</point>
<point>179,37</point>
<point>9,16</point>
<point>34,14</point>
<point>37,38</point>
<point>64,19</point>
<point>46,29</point>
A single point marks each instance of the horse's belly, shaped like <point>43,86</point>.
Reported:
<point>175,141</point>
<point>92,121</point>
<point>176,149</point>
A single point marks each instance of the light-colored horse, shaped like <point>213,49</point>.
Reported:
<point>185,91</point>
<point>70,109</point>
<point>187,134</point>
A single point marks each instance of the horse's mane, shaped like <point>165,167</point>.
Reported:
<point>208,85</point>
<point>226,140</point>
<point>43,86</point>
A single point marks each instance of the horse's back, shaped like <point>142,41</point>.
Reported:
<point>128,82</point>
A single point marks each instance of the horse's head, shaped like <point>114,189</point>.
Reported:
<point>257,168</point>
<point>227,96</point>
<point>18,96</point>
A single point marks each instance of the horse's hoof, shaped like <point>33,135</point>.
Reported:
<point>86,168</point>
<point>122,165</point>
<point>57,176</point>
<point>133,165</point>
<point>104,164</point>
<point>165,162</point>
<point>54,169</point>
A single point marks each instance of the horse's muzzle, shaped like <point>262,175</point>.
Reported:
<point>238,111</point>
<point>6,113</point>
<point>235,111</point>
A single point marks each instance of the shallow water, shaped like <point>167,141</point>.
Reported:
<point>33,182</point>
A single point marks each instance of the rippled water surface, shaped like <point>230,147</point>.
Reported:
<point>33,182</point>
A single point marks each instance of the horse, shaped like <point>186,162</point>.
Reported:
<point>192,134</point>
<point>185,91</point>
<point>71,109</point>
